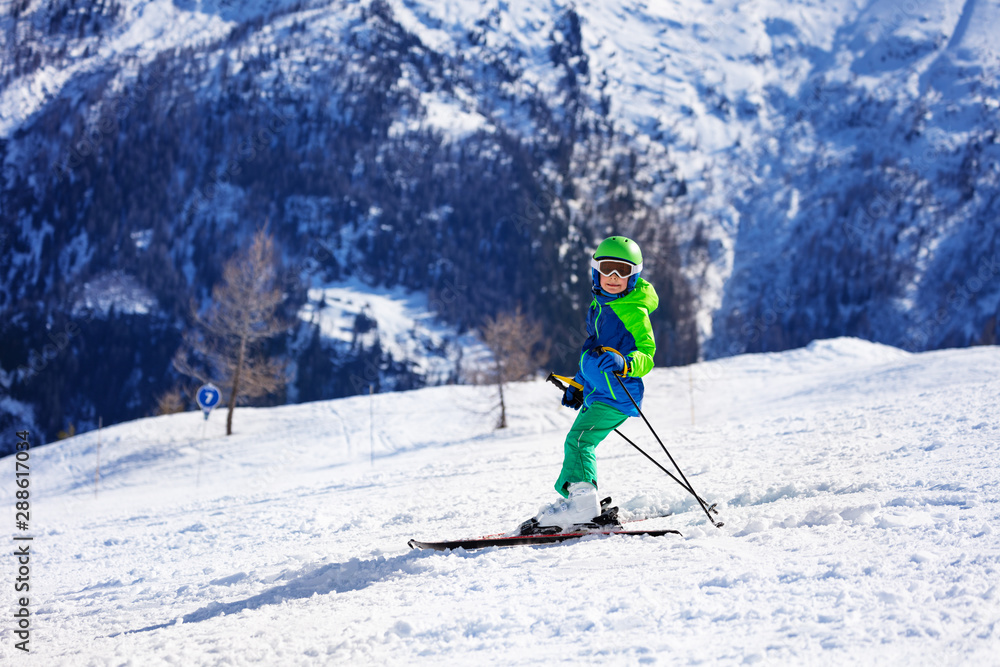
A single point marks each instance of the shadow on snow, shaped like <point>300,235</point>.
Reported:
<point>353,575</point>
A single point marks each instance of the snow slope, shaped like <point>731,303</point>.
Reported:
<point>858,483</point>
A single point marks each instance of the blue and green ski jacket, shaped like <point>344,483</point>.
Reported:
<point>621,322</point>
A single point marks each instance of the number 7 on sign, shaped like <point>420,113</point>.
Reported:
<point>208,397</point>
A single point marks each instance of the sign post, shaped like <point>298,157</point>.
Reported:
<point>208,397</point>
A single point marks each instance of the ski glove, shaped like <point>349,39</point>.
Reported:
<point>609,362</point>
<point>572,397</point>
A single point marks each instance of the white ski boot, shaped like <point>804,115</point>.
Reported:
<point>606,520</point>
<point>581,506</point>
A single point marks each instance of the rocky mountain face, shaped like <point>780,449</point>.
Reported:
<point>793,171</point>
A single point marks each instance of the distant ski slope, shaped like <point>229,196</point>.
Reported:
<point>858,484</point>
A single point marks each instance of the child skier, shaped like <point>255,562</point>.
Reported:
<point>619,319</point>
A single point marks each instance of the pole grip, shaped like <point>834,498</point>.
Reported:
<point>559,380</point>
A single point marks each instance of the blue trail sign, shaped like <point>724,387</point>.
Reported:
<point>208,397</point>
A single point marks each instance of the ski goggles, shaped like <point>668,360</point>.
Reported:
<point>608,266</point>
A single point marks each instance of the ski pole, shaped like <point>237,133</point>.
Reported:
<point>555,379</point>
<point>668,473</point>
<point>690,488</point>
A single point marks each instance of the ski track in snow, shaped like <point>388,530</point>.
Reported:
<point>858,484</point>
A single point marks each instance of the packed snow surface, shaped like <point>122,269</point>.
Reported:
<point>858,485</point>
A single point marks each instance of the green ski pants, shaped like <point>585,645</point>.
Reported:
<point>592,425</point>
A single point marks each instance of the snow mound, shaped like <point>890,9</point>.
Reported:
<point>854,350</point>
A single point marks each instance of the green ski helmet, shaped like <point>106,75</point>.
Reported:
<point>616,254</point>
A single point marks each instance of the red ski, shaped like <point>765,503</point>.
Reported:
<point>526,540</point>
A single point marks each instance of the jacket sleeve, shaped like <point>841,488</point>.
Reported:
<point>640,360</point>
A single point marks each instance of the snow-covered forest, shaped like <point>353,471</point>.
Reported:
<point>794,170</point>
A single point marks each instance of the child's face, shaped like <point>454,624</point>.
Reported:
<point>613,284</point>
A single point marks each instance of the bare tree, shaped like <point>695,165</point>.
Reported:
<point>228,336</point>
<point>170,402</point>
<point>518,349</point>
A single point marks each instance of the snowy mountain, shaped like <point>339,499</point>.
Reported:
<point>857,483</point>
<point>793,170</point>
